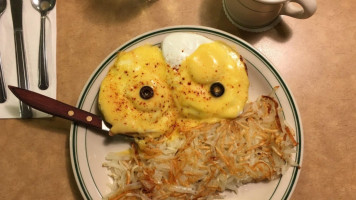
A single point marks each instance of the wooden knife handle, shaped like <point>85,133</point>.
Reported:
<point>57,108</point>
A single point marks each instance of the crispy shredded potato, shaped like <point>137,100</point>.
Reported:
<point>203,162</point>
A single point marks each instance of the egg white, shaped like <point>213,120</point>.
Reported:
<point>176,47</point>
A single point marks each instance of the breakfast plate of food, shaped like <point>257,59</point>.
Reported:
<point>195,113</point>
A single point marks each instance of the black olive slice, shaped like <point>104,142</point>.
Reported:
<point>146,92</point>
<point>217,89</point>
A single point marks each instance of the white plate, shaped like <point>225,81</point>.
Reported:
<point>88,147</point>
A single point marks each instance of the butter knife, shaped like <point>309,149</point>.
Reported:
<point>59,109</point>
<point>3,95</point>
<point>16,11</point>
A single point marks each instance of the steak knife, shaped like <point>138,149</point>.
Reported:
<point>59,109</point>
<point>16,11</point>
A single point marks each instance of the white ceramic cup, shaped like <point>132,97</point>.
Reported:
<point>260,15</point>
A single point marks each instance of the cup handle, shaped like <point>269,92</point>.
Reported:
<point>308,8</point>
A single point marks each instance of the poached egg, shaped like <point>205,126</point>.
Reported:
<point>201,67</point>
<point>190,80</point>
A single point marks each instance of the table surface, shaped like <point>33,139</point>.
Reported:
<point>316,57</point>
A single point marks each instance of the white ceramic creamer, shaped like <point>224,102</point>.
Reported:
<point>261,15</point>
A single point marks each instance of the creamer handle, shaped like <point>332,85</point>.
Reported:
<point>307,9</point>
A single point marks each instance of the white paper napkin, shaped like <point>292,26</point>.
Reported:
<point>31,34</point>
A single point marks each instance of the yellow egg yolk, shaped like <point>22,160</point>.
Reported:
<point>191,84</point>
<point>121,103</point>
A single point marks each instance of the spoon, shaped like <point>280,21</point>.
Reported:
<point>43,6</point>
<point>3,96</point>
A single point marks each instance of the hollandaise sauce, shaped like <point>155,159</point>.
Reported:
<point>143,95</point>
<point>135,97</point>
<point>210,84</point>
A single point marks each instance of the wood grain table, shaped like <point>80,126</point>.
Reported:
<point>316,57</point>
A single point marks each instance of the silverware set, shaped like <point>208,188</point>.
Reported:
<point>43,6</point>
